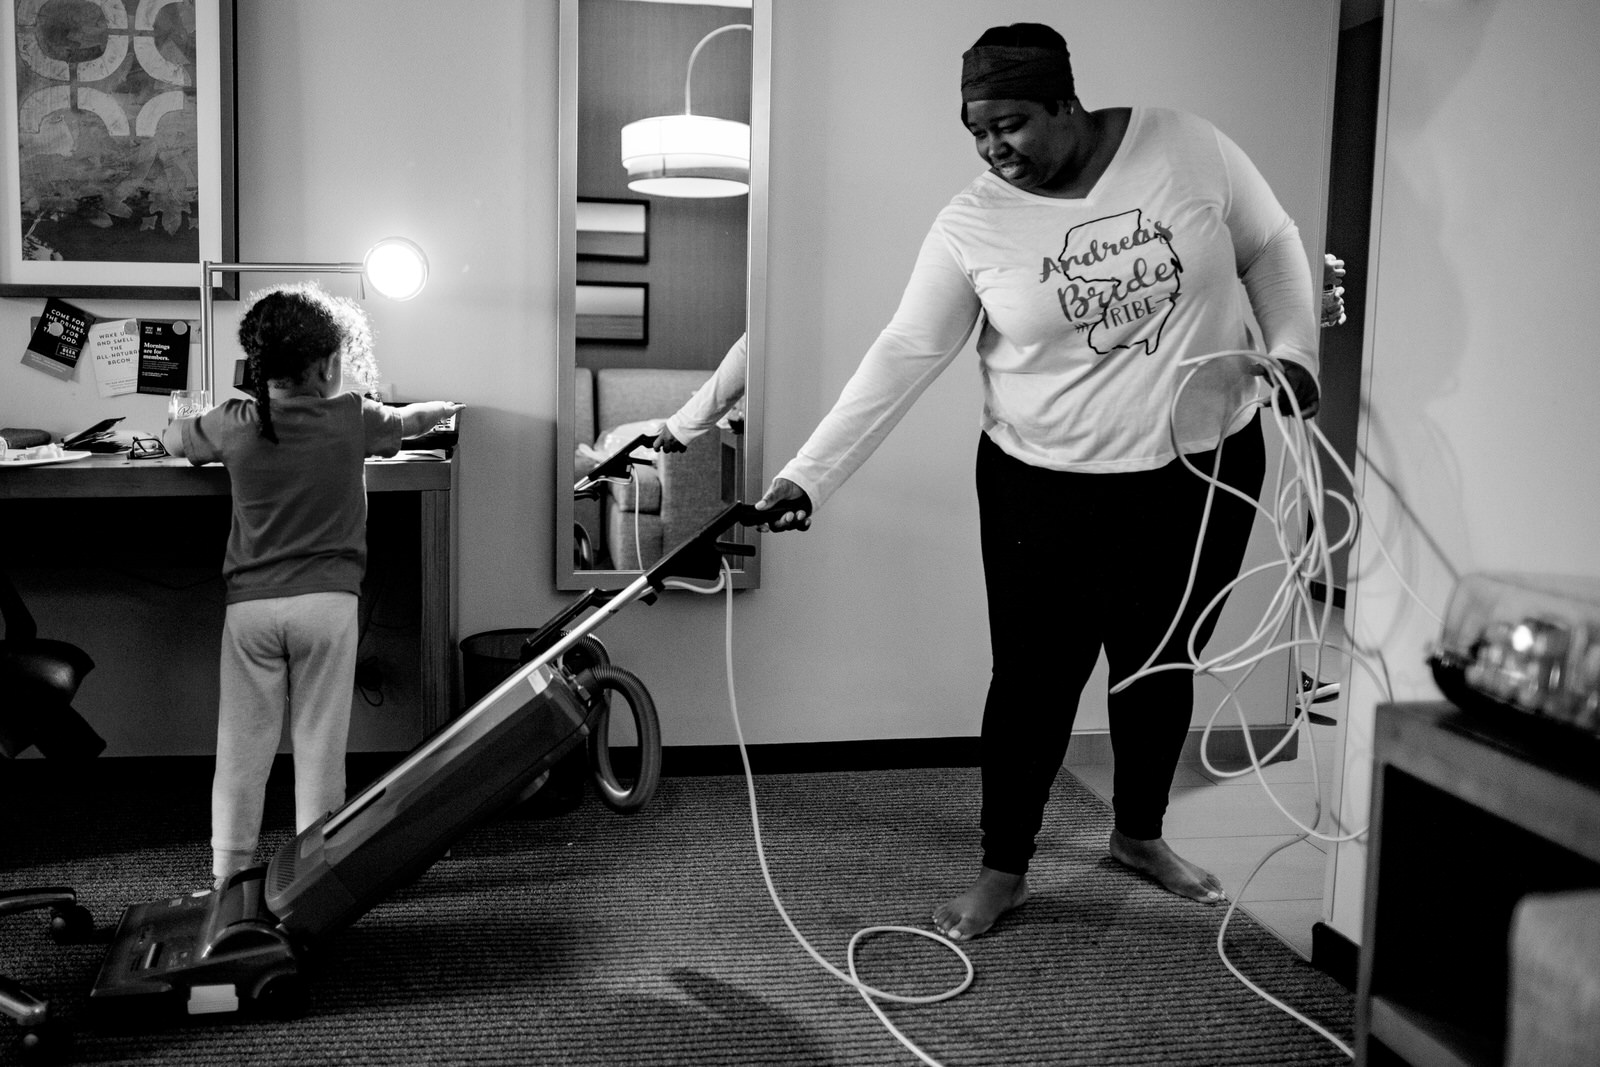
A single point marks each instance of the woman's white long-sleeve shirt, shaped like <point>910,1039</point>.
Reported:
<point>1085,309</point>
<point>714,399</point>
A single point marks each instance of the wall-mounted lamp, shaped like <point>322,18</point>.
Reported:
<point>396,267</point>
<point>688,154</point>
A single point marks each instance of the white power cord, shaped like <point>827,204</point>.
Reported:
<point>1297,510</point>
<point>869,993</point>
<point>1304,555</point>
<point>638,552</point>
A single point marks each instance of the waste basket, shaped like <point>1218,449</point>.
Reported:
<point>489,658</point>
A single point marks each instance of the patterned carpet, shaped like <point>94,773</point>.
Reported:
<point>593,938</point>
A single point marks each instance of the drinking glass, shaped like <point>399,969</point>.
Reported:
<point>187,403</point>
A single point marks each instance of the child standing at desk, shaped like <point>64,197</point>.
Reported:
<point>297,551</point>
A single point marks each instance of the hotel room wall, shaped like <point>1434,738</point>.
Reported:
<point>364,118</point>
<point>873,624</point>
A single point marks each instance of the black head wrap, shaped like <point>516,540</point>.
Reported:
<point>1014,70</point>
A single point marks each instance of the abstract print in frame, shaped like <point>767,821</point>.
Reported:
<point>117,154</point>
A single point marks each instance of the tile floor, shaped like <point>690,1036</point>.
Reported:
<point>1227,824</point>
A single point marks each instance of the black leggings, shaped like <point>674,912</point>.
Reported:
<point>1075,562</point>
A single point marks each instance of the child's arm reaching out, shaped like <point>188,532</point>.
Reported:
<point>415,418</point>
<point>172,438</point>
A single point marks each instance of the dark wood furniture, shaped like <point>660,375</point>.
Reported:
<point>79,489</point>
<point>1470,812</point>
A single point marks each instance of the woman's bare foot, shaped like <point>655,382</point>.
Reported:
<point>1156,859</point>
<point>973,912</point>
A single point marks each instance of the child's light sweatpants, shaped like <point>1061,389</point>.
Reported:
<point>296,653</point>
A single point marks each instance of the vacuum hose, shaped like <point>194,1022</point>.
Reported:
<point>596,681</point>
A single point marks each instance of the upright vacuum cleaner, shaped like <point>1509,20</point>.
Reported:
<point>241,947</point>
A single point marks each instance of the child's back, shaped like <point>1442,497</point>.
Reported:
<point>300,504</point>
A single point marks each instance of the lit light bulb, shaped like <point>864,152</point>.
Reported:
<point>396,267</point>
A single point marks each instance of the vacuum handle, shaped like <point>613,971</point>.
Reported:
<point>701,555</point>
<point>751,515</point>
<point>617,464</point>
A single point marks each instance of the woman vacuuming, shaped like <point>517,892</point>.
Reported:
<point>1097,251</point>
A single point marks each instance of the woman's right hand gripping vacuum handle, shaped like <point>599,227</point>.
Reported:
<point>790,505</point>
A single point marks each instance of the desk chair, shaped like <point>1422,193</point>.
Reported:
<point>38,680</point>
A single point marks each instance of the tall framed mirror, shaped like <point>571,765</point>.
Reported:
<point>662,275</point>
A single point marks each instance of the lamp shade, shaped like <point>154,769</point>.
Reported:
<point>396,267</point>
<point>687,155</point>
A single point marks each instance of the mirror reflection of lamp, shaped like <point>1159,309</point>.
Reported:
<point>688,155</point>
<point>396,267</point>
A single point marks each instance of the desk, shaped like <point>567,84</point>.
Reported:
<point>115,477</point>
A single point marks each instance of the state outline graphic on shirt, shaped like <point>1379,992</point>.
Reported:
<point>1111,289</point>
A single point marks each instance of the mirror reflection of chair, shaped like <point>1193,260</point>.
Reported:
<point>39,678</point>
<point>663,501</point>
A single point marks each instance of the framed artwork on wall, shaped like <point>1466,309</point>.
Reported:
<point>613,229</point>
<point>616,313</point>
<point>117,148</point>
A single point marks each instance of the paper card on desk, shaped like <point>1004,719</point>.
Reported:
<point>58,339</point>
<point>416,455</point>
<point>114,346</point>
<point>163,356</point>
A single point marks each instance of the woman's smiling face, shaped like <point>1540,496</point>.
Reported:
<point>1025,144</point>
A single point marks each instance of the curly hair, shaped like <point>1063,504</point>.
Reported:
<point>287,329</point>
